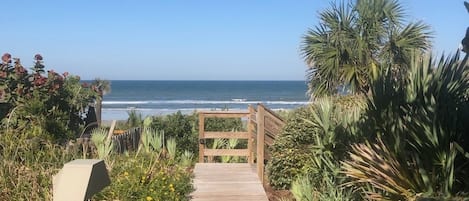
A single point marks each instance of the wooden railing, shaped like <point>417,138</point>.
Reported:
<point>204,135</point>
<point>263,126</point>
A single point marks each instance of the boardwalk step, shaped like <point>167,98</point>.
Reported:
<point>227,181</point>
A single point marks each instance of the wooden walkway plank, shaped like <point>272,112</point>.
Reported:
<point>227,181</point>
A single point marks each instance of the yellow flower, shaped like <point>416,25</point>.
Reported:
<point>126,173</point>
<point>149,198</point>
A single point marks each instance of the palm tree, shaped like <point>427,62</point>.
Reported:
<point>354,42</point>
<point>102,87</point>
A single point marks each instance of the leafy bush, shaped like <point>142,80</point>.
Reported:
<point>135,119</point>
<point>184,128</point>
<point>304,189</point>
<point>223,124</point>
<point>417,133</point>
<point>151,173</point>
<point>146,177</point>
<point>177,126</point>
<point>314,140</point>
<point>291,150</point>
<point>28,165</point>
<point>42,104</point>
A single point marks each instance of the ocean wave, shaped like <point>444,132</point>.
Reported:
<point>200,102</point>
<point>163,109</point>
<point>122,113</point>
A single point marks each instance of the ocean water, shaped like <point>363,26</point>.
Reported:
<point>165,97</point>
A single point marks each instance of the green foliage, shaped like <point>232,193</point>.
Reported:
<point>135,119</point>
<point>184,128</point>
<point>149,175</point>
<point>220,143</point>
<point>104,147</point>
<point>177,126</point>
<point>305,190</point>
<point>144,176</point>
<point>151,141</point>
<point>291,150</point>
<point>224,124</point>
<point>355,40</point>
<point>171,148</point>
<point>27,165</point>
<point>302,189</point>
<point>46,105</point>
<point>187,158</point>
<point>314,140</point>
<point>422,126</point>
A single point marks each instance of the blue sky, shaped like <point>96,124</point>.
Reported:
<point>186,40</point>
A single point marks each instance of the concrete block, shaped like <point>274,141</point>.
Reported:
<point>80,179</point>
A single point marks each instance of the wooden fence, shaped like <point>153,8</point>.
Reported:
<point>127,141</point>
<point>263,125</point>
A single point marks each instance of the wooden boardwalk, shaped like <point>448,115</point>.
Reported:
<point>227,182</point>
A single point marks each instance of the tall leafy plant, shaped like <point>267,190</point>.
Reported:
<point>151,140</point>
<point>104,146</point>
<point>416,132</point>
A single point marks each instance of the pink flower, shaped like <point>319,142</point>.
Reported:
<point>6,58</point>
<point>38,57</point>
<point>39,80</point>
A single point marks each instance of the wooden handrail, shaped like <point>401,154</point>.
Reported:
<point>223,135</point>
<point>264,121</point>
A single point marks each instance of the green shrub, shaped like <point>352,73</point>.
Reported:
<point>417,133</point>
<point>43,104</point>
<point>314,140</point>
<point>146,177</point>
<point>304,189</point>
<point>185,130</point>
<point>151,174</point>
<point>223,124</point>
<point>28,163</point>
<point>291,150</point>
<point>178,126</point>
<point>135,119</point>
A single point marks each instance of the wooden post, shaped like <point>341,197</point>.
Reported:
<point>201,137</point>
<point>260,142</point>
<point>250,129</point>
<point>111,130</point>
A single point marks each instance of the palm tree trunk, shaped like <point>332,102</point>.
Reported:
<point>98,108</point>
